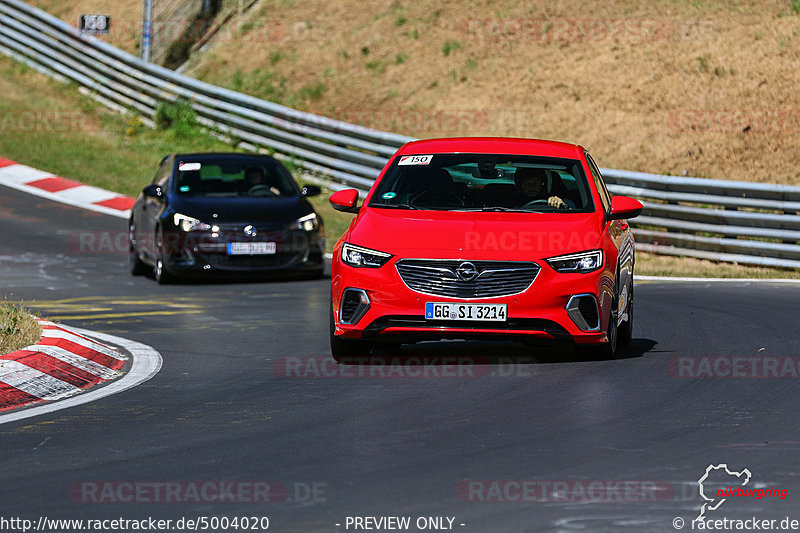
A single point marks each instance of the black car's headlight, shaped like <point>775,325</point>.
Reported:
<point>581,262</point>
<point>309,222</point>
<point>357,256</point>
<point>188,224</point>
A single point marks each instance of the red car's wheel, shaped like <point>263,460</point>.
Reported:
<point>625,334</point>
<point>609,350</point>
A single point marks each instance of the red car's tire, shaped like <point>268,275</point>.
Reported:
<point>625,334</point>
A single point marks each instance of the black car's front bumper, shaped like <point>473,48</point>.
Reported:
<point>206,252</point>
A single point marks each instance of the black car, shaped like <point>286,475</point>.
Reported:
<point>230,213</point>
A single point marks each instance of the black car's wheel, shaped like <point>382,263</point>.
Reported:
<point>346,350</point>
<point>135,264</point>
<point>625,333</point>
<point>160,272</point>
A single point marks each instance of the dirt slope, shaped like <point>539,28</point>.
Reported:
<point>697,87</point>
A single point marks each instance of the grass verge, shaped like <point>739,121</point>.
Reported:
<point>18,329</point>
<point>53,127</point>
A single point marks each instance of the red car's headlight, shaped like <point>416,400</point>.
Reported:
<point>357,256</point>
<point>581,262</point>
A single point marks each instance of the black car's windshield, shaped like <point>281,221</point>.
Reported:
<point>207,176</point>
<point>484,182</point>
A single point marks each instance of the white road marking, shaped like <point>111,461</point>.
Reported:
<point>717,280</point>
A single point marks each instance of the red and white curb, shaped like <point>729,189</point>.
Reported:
<point>63,364</point>
<point>46,185</point>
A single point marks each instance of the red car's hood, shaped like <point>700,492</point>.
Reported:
<point>486,236</point>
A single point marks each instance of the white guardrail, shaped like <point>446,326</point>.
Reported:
<point>741,222</point>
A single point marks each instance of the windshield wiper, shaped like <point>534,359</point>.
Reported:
<point>395,206</point>
<point>498,208</point>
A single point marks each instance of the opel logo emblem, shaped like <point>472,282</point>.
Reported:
<point>250,231</point>
<point>467,271</point>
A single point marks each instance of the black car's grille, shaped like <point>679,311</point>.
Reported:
<point>261,227</point>
<point>247,262</point>
<point>484,279</point>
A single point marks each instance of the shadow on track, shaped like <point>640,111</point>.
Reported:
<point>448,353</point>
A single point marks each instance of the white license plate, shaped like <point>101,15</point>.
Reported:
<point>252,248</point>
<point>456,311</point>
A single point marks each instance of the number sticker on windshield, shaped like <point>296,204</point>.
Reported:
<point>187,167</point>
<point>415,160</point>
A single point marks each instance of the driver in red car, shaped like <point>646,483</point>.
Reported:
<point>530,182</point>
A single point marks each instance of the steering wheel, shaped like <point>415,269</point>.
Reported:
<point>259,189</point>
<point>438,195</point>
<point>538,201</point>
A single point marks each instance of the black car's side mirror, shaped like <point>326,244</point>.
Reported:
<point>153,191</point>
<point>310,190</point>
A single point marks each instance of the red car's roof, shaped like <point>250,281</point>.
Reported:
<point>492,145</point>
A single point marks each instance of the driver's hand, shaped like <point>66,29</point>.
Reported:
<point>555,201</point>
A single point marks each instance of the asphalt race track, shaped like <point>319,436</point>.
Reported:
<point>434,440</point>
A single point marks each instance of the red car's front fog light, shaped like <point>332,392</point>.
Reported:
<point>582,309</point>
<point>355,303</point>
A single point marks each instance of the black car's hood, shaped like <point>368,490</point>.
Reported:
<point>232,209</point>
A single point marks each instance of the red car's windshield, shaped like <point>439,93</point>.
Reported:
<point>484,182</point>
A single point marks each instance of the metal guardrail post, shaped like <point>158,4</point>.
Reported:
<point>147,29</point>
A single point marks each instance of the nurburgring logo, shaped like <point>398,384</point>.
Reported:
<point>714,498</point>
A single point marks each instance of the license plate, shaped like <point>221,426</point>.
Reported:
<point>456,311</point>
<point>252,248</point>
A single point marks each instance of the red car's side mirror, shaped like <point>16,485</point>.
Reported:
<point>623,207</point>
<point>345,200</point>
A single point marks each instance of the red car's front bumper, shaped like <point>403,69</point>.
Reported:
<point>397,313</point>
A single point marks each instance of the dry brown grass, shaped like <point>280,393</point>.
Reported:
<point>628,89</point>
<point>666,87</point>
<point>126,17</point>
<point>18,329</point>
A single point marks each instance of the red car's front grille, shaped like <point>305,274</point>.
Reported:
<point>467,279</point>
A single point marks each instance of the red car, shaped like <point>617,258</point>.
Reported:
<point>475,238</point>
